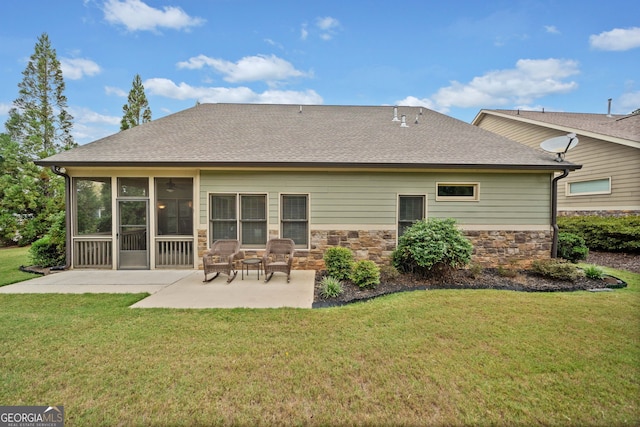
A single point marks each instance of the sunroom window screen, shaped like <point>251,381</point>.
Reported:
<point>411,209</point>
<point>295,224</point>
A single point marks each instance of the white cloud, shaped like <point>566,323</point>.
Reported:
<point>328,27</point>
<point>136,15</point>
<point>412,101</point>
<point>183,91</point>
<point>76,68</point>
<point>89,126</point>
<point>248,69</point>
<point>112,90</point>
<point>627,102</point>
<point>616,39</point>
<point>529,80</point>
<point>304,33</point>
<point>4,108</point>
<point>551,29</point>
<point>85,115</point>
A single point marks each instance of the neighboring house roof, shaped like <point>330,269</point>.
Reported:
<point>621,129</point>
<point>251,135</point>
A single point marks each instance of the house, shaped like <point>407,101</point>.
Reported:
<point>608,149</point>
<point>157,195</point>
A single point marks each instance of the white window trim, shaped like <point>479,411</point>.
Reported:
<point>474,198</point>
<point>238,195</point>
<point>590,193</point>
<point>308,216</point>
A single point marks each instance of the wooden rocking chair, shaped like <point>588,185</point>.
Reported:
<point>278,258</point>
<point>220,259</point>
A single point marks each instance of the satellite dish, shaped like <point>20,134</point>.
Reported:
<point>560,145</point>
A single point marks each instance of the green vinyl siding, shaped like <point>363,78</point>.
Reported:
<point>370,198</point>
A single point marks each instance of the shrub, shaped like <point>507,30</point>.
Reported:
<point>593,272</point>
<point>389,273</point>
<point>611,234</point>
<point>432,247</point>
<point>556,269</point>
<point>572,247</point>
<point>49,251</point>
<point>339,262</point>
<point>476,270</point>
<point>44,252</point>
<point>366,274</point>
<point>330,287</point>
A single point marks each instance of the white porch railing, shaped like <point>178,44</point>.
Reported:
<point>174,252</point>
<point>92,252</point>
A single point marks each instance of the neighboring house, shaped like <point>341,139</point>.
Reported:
<point>157,195</point>
<point>608,149</point>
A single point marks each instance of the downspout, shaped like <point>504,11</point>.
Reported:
<point>554,212</point>
<point>67,215</point>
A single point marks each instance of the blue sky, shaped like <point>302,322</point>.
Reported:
<point>455,57</point>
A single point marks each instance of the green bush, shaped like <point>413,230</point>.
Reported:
<point>611,234</point>
<point>49,251</point>
<point>593,272</point>
<point>366,274</point>
<point>330,287</point>
<point>432,247</point>
<point>556,268</point>
<point>44,253</point>
<point>572,247</point>
<point>339,262</point>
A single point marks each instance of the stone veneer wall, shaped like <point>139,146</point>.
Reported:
<point>491,248</point>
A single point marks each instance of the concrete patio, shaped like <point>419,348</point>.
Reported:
<point>179,288</point>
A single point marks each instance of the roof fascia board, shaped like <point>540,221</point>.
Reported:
<point>329,166</point>
<point>567,129</point>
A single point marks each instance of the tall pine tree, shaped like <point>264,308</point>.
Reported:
<point>38,126</point>
<point>137,110</point>
<point>38,119</point>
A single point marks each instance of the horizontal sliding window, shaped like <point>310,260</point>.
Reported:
<point>457,191</point>
<point>594,186</point>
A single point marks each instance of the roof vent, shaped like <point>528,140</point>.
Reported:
<point>395,115</point>
<point>417,115</point>
<point>420,110</point>
<point>404,122</point>
<point>300,110</point>
<point>609,108</point>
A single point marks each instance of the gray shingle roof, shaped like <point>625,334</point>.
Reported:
<point>291,135</point>
<point>616,126</point>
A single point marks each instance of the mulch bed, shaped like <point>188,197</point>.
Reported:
<point>523,280</point>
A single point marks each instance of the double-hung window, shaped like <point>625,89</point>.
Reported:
<point>410,210</point>
<point>239,216</point>
<point>294,218</point>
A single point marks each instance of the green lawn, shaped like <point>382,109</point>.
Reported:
<point>10,261</point>
<point>444,357</point>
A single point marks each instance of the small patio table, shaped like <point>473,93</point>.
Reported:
<point>257,262</point>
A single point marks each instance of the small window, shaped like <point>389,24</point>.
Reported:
<point>585,188</point>
<point>294,219</point>
<point>410,210</point>
<point>457,192</point>
<point>250,227</point>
